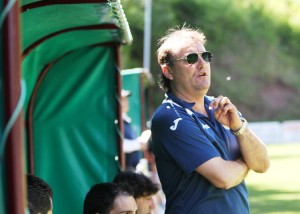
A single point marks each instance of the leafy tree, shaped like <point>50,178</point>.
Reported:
<point>255,50</point>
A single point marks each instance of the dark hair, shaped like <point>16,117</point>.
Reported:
<point>164,82</point>
<point>39,195</point>
<point>141,185</point>
<point>100,198</point>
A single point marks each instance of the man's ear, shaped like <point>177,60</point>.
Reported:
<point>167,71</point>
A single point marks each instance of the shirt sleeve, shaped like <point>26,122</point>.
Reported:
<point>131,145</point>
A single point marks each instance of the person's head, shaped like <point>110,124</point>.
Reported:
<point>124,99</point>
<point>144,189</point>
<point>39,195</point>
<point>110,198</point>
<point>181,60</point>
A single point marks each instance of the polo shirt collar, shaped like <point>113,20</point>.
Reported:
<point>207,99</point>
<point>184,104</point>
<point>170,96</point>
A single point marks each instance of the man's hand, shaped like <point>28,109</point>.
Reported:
<point>226,113</point>
<point>253,150</point>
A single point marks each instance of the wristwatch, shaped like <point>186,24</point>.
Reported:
<point>242,129</point>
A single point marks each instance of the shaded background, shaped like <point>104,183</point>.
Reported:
<point>255,45</point>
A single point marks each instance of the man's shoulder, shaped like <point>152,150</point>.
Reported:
<point>168,111</point>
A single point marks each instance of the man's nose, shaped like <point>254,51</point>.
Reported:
<point>201,63</point>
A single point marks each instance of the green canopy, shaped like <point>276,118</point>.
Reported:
<point>70,64</point>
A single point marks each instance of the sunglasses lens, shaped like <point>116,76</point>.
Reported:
<point>207,56</point>
<point>192,58</point>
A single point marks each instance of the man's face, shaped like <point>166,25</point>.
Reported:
<point>190,78</point>
<point>124,204</point>
<point>145,204</point>
<point>125,104</point>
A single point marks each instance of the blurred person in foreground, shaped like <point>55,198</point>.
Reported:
<point>39,195</point>
<point>202,145</point>
<point>143,188</point>
<point>109,198</point>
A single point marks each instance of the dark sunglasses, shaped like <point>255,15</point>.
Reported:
<point>194,57</point>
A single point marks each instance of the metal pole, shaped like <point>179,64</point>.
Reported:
<point>147,35</point>
<point>14,146</point>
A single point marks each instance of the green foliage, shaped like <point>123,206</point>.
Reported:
<point>132,55</point>
<point>254,42</point>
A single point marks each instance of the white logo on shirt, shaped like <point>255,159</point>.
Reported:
<point>174,127</point>
<point>205,126</point>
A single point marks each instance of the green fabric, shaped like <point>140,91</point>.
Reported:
<point>131,82</point>
<point>3,190</point>
<point>56,47</point>
<point>74,131</point>
<point>43,21</point>
<point>75,138</point>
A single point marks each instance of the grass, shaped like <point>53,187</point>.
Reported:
<point>278,190</point>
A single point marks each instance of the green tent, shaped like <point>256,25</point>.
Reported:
<point>70,53</point>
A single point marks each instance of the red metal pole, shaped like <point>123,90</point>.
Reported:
<point>119,110</point>
<point>14,159</point>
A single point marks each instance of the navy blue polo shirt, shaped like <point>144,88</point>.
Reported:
<point>128,130</point>
<point>132,158</point>
<point>183,140</point>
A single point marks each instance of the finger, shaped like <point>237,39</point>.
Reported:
<point>217,113</point>
<point>215,102</point>
<point>227,107</point>
<point>224,101</point>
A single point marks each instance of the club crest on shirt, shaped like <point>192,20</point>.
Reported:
<point>174,127</point>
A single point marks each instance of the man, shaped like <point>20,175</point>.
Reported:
<point>203,147</point>
<point>109,198</point>
<point>133,144</point>
<point>143,188</point>
<point>39,195</point>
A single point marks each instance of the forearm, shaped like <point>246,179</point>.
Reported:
<point>234,173</point>
<point>254,151</point>
<point>238,172</point>
<point>224,174</point>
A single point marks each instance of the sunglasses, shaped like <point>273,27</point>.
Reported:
<point>194,57</point>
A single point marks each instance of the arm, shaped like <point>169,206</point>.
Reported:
<point>140,143</point>
<point>253,150</point>
<point>131,145</point>
<point>223,174</point>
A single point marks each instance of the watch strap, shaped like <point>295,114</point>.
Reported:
<point>242,129</point>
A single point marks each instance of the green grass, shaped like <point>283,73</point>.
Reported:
<point>278,190</point>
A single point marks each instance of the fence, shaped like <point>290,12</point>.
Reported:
<point>277,132</point>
